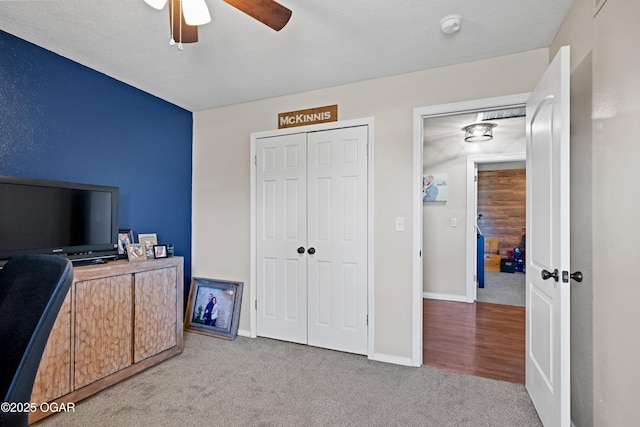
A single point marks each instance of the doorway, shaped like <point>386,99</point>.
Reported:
<point>451,273</point>
<point>501,221</point>
<point>456,166</point>
<point>488,227</point>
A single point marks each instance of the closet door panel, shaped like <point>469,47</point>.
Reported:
<point>337,230</point>
<point>281,229</point>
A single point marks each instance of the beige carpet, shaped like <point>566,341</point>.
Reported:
<point>503,288</point>
<point>262,382</point>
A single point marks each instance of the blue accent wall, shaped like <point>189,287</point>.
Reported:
<point>63,121</point>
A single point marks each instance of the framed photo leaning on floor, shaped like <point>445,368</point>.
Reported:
<point>213,307</point>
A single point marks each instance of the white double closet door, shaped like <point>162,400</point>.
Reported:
<point>311,231</point>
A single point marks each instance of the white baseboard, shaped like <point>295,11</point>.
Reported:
<point>244,333</point>
<point>378,357</point>
<point>445,297</point>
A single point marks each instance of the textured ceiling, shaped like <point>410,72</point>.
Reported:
<point>326,43</point>
<point>444,137</point>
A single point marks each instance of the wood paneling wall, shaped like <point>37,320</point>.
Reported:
<point>502,204</point>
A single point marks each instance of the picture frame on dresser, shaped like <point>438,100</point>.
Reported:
<point>136,252</point>
<point>125,238</point>
<point>148,239</point>
<point>160,251</point>
<point>213,307</point>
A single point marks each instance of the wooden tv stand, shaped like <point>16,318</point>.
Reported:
<point>118,319</point>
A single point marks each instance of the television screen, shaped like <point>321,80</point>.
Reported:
<point>38,216</point>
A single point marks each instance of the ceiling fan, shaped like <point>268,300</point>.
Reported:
<point>186,15</point>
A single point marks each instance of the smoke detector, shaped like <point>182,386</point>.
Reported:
<point>450,24</point>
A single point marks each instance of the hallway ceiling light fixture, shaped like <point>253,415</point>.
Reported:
<point>478,132</point>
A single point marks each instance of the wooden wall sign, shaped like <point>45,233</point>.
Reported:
<point>309,116</point>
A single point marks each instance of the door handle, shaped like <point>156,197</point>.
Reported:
<point>311,251</point>
<point>546,275</point>
<point>300,250</point>
<point>577,276</point>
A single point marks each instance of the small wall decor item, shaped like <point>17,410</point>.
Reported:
<point>213,308</point>
<point>136,252</point>
<point>148,240</point>
<point>435,187</point>
<point>125,237</point>
<point>160,251</point>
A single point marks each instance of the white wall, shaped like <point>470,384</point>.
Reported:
<point>605,102</point>
<point>221,174</point>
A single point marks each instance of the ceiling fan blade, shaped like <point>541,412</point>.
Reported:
<point>195,12</point>
<point>269,12</point>
<point>181,33</point>
<point>156,4</point>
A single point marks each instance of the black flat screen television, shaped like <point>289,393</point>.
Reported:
<point>79,221</point>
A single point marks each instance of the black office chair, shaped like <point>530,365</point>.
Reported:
<point>32,290</point>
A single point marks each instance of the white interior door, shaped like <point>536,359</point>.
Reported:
<point>281,206</point>
<point>547,254</point>
<point>311,238</point>
<point>337,236</point>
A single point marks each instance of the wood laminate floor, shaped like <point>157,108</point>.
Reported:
<point>482,339</point>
